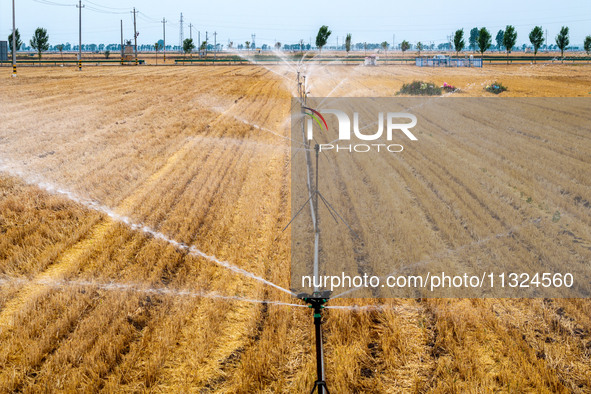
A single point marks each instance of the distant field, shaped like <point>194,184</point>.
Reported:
<point>326,56</point>
<point>201,155</point>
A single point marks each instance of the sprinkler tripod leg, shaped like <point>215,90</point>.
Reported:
<point>320,386</point>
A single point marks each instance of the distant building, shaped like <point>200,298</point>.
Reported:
<point>128,53</point>
<point>3,51</point>
<point>371,60</point>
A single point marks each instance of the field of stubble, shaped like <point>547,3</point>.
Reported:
<point>201,155</point>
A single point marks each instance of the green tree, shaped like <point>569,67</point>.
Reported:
<point>499,39</point>
<point>385,46</point>
<point>322,36</point>
<point>107,54</point>
<point>509,39</point>
<point>419,47</point>
<point>188,45</point>
<point>40,41</point>
<point>17,37</point>
<point>348,43</point>
<point>562,40</point>
<point>484,41</point>
<point>536,37</point>
<point>247,43</point>
<point>587,44</point>
<point>156,47</point>
<point>60,47</point>
<point>473,38</point>
<point>277,46</point>
<point>459,41</point>
<point>404,46</point>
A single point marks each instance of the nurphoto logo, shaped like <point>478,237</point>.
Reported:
<point>392,125</point>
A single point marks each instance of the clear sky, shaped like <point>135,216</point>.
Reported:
<point>288,22</point>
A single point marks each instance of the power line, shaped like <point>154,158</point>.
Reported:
<point>144,19</point>
<point>107,7</point>
<point>149,18</point>
<point>106,12</point>
<point>48,2</point>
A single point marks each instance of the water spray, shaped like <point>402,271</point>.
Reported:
<point>96,206</point>
<point>139,288</point>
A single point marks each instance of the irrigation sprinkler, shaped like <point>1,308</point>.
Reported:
<point>318,298</point>
<point>317,301</point>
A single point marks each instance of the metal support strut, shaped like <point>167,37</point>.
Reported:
<point>317,301</point>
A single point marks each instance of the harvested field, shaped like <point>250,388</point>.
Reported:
<point>200,156</point>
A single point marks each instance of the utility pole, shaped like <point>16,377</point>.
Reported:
<point>215,46</point>
<point>121,41</point>
<point>546,40</point>
<point>181,35</point>
<point>80,35</point>
<point>191,31</point>
<point>13,42</point>
<point>164,37</point>
<point>253,45</point>
<point>135,35</point>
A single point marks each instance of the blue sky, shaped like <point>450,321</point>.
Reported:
<point>288,22</point>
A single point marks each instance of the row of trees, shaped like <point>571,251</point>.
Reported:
<point>39,42</point>
<point>508,37</point>
<point>479,38</point>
